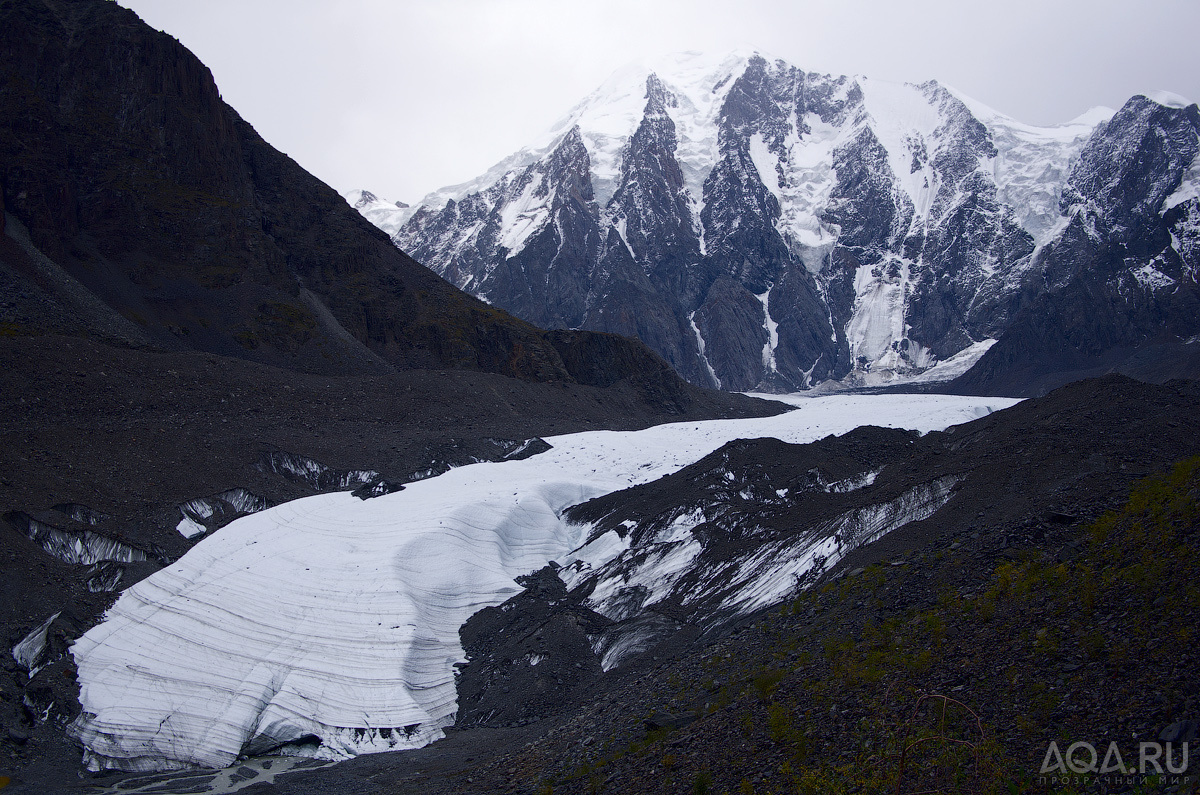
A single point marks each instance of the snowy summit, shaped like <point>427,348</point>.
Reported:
<point>762,227</point>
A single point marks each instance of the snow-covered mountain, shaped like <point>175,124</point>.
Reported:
<point>764,227</point>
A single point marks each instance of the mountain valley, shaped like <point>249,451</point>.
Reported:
<point>754,431</point>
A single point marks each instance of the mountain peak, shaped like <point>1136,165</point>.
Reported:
<point>763,227</point>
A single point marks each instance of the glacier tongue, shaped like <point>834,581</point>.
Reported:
<point>328,626</point>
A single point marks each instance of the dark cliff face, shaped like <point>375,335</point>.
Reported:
<point>143,210</point>
<point>966,234</point>
<point>652,200</point>
<point>751,261</point>
<point>654,246</point>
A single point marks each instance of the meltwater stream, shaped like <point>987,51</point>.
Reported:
<point>329,625</point>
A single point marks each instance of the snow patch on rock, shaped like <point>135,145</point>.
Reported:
<point>1189,187</point>
<point>1168,99</point>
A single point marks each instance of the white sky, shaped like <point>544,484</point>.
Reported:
<point>405,96</point>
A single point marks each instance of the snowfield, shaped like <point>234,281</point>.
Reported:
<point>329,625</point>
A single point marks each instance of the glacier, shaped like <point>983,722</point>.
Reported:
<point>31,651</point>
<point>328,626</point>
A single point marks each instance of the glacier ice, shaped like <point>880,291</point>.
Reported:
<point>81,513</point>
<point>30,652</point>
<point>852,484</point>
<point>630,638</point>
<point>240,501</point>
<point>956,365</point>
<point>1150,277</point>
<point>1189,187</point>
<point>71,546</point>
<point>190,528</point>
<point>669,564</point>
<point>524,216</point>
<point>101,554</point>
<point>313,473</point>
<point>193,513</point>
<point>104,576</point>
<point>1168,99</point>
<point>328,626</point>
<point>608,117</point>
<point>772,572</point>
<point>700,346</point>
<point>244,501</point>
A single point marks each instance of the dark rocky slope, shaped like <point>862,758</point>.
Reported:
<point>141,209</point>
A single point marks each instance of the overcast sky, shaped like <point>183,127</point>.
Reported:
<point>406,96</point>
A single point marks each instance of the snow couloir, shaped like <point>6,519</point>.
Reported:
<point>328,626</point>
